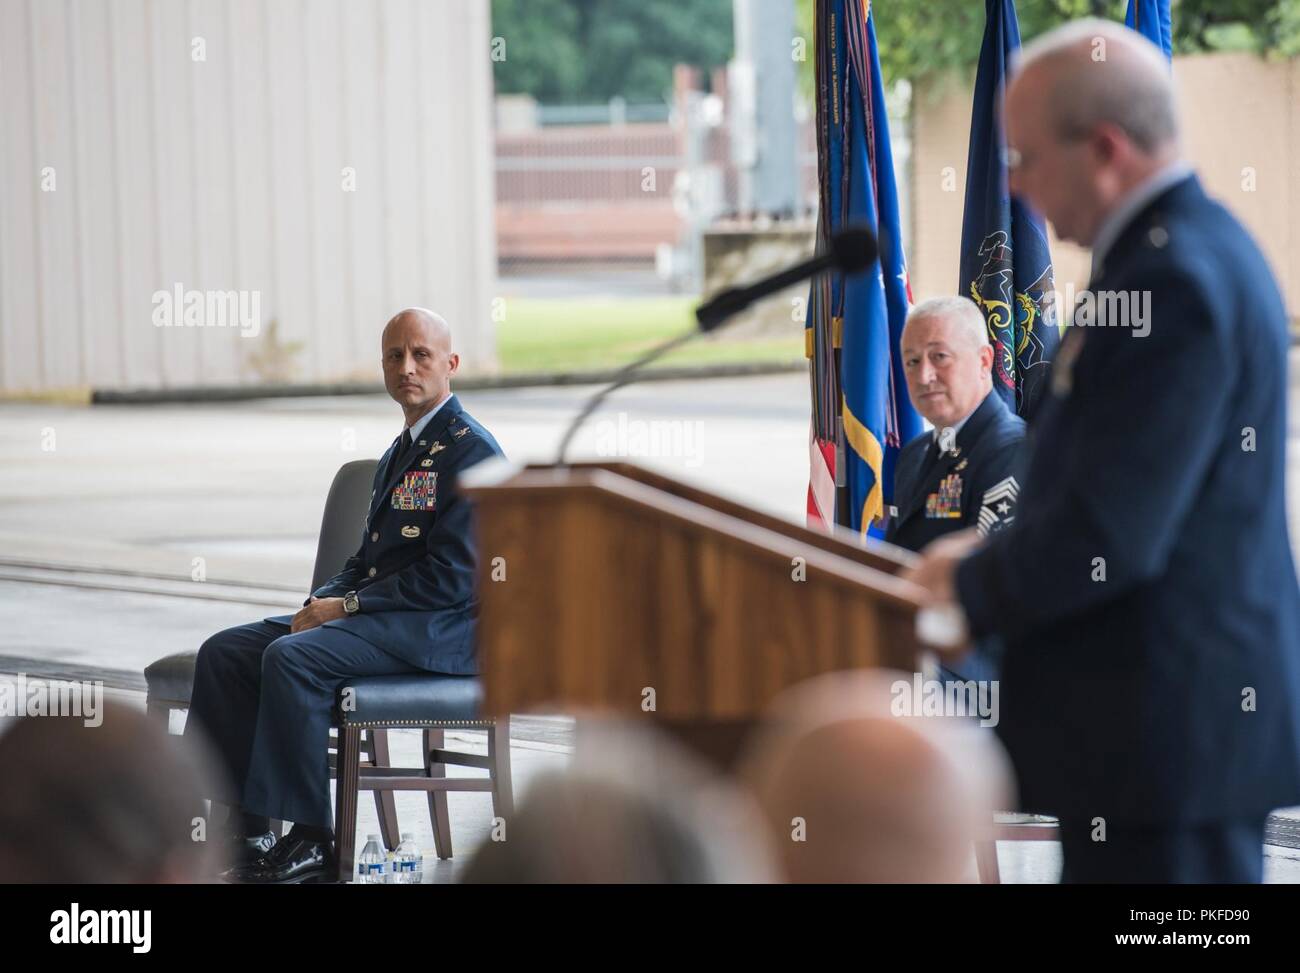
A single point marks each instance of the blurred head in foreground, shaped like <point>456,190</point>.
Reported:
<point>114,803</point>
<point>634,807</point>
<point>853,793</point>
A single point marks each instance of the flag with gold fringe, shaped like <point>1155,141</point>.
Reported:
<point>861,413</point>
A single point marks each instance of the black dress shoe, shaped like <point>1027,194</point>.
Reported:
<point>291,861</point>
<point>243,850</point>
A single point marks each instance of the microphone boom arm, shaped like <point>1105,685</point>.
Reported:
<point>622,377</point>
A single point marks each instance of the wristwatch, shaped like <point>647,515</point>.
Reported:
<point>351,603</point>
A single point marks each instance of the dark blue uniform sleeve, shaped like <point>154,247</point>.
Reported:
<point>1124,484</point>
<point>444,576</point>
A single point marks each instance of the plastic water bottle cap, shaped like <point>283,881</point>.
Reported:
<point>408,835</point>
<point>372,837</point>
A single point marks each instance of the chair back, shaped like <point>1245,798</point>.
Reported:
<point>345,510</point>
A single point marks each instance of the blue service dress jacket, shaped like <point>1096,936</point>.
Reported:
<point>972,484</point>
<point>415,570</point>
<point>1146,590</point>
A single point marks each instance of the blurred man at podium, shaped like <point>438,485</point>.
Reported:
<point>1146,592</point>
<point>961,473</point>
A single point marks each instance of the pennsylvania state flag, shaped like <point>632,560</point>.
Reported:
<point>1152,19</point>
<point>1005,265</point>
<point>856,322</point>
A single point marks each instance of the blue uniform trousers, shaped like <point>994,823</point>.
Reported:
<point>264,697</point>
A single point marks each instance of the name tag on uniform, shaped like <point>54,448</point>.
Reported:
<point>945,502</point>
<point>417,491</point>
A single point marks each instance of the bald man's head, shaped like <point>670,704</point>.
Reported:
<point>418,360</point>
<point>1089,115</point>
<point>631,806</point>
<point>854,793</point>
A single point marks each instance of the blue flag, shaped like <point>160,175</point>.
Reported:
<point>863,315</point>
<point>1152,19</point>
<point>1006,268</point>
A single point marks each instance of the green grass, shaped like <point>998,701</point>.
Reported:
<point>552,335</point>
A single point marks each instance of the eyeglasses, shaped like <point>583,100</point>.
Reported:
<point>1014,159</point>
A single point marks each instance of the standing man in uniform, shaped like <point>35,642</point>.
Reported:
<point>263,692</point>
<point>1146,590</point>
<point>962,473</point>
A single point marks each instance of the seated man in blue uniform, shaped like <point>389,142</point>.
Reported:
<point>404,603</point>
<point>961,473</point>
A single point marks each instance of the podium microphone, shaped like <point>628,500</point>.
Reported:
<point>851,251</point>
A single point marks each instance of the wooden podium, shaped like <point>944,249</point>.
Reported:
<point>605,586</point>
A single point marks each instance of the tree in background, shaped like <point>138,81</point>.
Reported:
<point>924,37</point>
<point>581,51</point>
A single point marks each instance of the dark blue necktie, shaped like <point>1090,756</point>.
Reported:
<point>400,446</point>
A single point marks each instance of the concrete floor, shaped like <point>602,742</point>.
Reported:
<point>102,534</point>
<point>241,485</point>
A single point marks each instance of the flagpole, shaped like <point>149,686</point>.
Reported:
<point>843,515</point>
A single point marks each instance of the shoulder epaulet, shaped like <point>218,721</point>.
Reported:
<point>458,429</point>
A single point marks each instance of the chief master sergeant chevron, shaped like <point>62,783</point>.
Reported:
<point>403,603</point>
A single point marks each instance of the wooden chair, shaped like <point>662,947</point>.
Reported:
<point>433,704</point>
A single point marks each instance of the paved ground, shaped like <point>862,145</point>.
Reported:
<point>107,513</point>
<point>241,485</point>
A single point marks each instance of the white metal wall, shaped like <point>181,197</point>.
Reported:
<point>227,174</point>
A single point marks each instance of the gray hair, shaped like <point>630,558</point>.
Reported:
<point>961,312</point>
<point>1105,72</point>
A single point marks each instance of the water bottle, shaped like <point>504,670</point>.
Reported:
<point>371,866</point>
<point>410,861</point>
